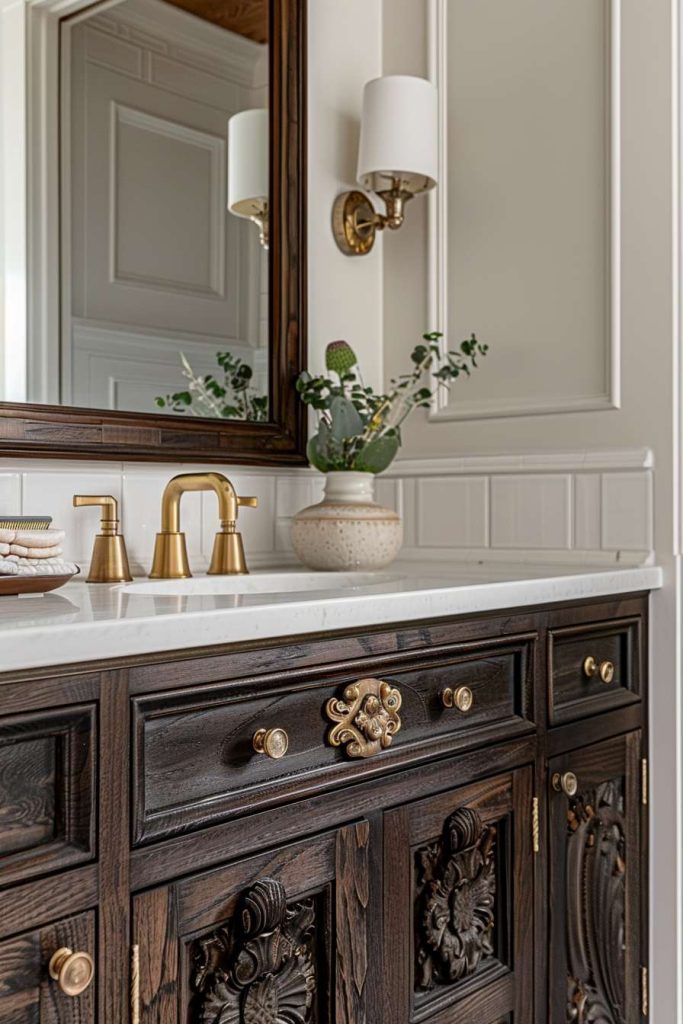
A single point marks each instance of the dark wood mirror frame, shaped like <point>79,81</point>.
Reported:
<point>51,431</point>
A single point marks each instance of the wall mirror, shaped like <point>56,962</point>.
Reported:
<point>162,310</point>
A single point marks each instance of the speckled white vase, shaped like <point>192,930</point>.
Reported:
<point>347,530</point>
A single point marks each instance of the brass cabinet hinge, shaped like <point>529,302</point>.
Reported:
<point>643,781</point>
<point>535,825</point>
<point>135,985</point>
<point>644,992</point>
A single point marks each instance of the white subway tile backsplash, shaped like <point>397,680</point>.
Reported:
<point>531,511</point>
<point>587,511</point>
<point>51,493</point>
<point>627,511</point>
<point>453,512</point>
<point>584,506</point>
<point>10,494</point>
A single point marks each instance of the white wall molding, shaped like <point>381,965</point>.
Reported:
<point>440,291</point>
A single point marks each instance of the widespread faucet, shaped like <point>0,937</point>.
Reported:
<point>170,560</point>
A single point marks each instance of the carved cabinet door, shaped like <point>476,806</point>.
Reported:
<point>595,884</point>
<point>282,937</point>
<point>459,897</point>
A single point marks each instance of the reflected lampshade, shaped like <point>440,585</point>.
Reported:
<point>398,140</point>
<point>248,163</point>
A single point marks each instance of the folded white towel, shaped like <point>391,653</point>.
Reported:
<point>15,566</point>
<point>39,538</point>
<point>4,548</point>
<point>27,552</point>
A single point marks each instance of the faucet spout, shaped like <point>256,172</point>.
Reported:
<point>170,551</point>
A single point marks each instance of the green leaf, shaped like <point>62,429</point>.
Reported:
<point>346,420</point>
<point>377,455</point>
<point>315,456</point>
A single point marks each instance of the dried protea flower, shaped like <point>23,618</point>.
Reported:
<point>340,357</point>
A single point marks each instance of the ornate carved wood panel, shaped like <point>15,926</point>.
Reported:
<point>462,862</point>
<point>281,938</point>
<point>47,775</point>
<point>595,866</point>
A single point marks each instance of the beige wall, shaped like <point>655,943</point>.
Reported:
<point>649,385</point>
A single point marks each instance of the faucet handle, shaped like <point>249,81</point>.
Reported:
<point>247,502</point>
<point>109,557</point>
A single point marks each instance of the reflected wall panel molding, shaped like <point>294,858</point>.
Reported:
<point>573,508</point>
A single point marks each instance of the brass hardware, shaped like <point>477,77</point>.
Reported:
<point>535,825</point>
<point>73,972</point>
<point>355,222</point>
<point>272,742</point>
<point>109,562</point>
<point>135,985</point>
<point>565,782</point>
<point>644,992</point>
<point>461,698</point>
<point>605,669</point>
<point>644,781</point>
<point>170,560</point>
<point>366,717</point>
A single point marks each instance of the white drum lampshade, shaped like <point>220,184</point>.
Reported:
<point>398,134</point>
<point>248,163</point>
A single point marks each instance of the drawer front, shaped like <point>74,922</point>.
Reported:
<point>593,668</point>
<point>195,761</point>
<point>30,993</point>
<point>47,788</point>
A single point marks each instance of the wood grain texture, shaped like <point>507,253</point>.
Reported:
<point>47,792</point>
<point>27,993</point>
<point>248,18</point>
<point>353,897</point>
<point>155,931</point>
<point>48,431</point>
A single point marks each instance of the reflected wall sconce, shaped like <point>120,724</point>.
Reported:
<point>397,159</point>
<point>249,168</point>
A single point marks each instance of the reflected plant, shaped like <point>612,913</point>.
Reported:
<point>231,397</point>
<point>361,430</point>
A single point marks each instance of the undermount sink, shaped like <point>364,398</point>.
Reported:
<point>258,583</point>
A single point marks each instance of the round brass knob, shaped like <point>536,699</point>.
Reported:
<point>73,972</point>
<point>605,669</point>
<point>565,782</point>
<point>272,742</point>
<point>461,698</point>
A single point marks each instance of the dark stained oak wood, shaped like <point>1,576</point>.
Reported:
<point>68,432</point>
<point>27,993</point>
<point>47,792</point>
<point>327,875</point>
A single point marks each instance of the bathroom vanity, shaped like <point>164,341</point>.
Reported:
<point>368,819</point>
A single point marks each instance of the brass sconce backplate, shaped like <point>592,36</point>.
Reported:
<point>354,223</point>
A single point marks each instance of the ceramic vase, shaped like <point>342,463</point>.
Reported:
<point>347,530</point>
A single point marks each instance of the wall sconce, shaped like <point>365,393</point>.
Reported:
<point>249,168</point>
<point>397,159</point>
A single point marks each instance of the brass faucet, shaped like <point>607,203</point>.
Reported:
<point>170,552</point>
<point>109,558</point>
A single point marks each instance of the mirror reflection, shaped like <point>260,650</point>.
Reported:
<point>163,204</point>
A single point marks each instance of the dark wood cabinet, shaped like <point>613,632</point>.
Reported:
<point>596,805</point>
<point>455,833</point>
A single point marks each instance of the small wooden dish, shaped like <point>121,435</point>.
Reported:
<point>11,586</point>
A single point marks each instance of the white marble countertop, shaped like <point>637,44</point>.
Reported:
<point>85,622</point>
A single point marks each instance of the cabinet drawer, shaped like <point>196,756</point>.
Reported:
<point>194,756</point>
<point>47,787</point>
<point>593,667</point>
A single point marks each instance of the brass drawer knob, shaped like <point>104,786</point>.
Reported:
<point>461,698</point>
<point>366,718</point>
<point>603,669</point>
<point>271,742</point>
<point>73,972</point>
<point>565,782</point>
